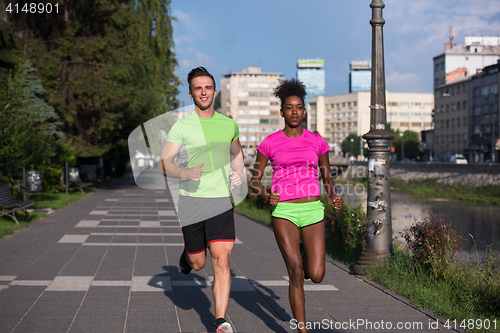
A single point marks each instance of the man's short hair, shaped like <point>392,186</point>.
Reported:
<point>196,72</point>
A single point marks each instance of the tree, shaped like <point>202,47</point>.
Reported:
<point>25,136</point>
<point>411,144</point>
<point>354,149</point>
<point>107,66</point>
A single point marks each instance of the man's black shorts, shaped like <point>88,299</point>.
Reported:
<point>220,228</point>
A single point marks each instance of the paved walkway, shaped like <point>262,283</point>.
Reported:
<point>109,263</point>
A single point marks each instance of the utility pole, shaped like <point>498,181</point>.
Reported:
<point>493,129</point>
<point>378,211</point>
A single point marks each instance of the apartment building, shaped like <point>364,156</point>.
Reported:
<point>451,119</point>
<point>483,117</point>
<point>247,97</point>
<point>337,116</point>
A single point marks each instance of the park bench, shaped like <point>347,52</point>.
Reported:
<point>75,180</point>
<point>9,205</point>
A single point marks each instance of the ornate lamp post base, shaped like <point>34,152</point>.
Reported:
<point>368,259</point>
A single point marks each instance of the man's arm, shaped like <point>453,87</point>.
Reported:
<point>237,157</point>
<point>167,168</point>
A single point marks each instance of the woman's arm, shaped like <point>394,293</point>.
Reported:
<point>255,182</point>
<point>324,168</point>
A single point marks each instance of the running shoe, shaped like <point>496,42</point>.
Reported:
<point>222,326</point>
<point>302,254</point>
<point>183,264</point>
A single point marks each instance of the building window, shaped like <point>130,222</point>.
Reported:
<point>485,90</point>
<point>464,105</point>
<point>405,114</point>
<point>349,104</point>
<point>404,124</point>
<point>242,103</point>
<point>447,107</point>
<point>416,114</point>
<point>477,92</point>
<point>452,91</point>
<point>416,124</point>
<point>464,122</point>
<point>453,123</point>
<point>458,106</point>
<point>275,121</point>
<point>264,121</point>
<point>343,105</point>
<point>494,88</point>
<point>354,103</point>
<point>264,94</point>
<point>453,138</point>
<point>458,122</point>
<point>274,103</point>
<point>477,110</point>
<point>242,85</point>
<point>447,123</point>
<point>458,90</point>
<point>355,123</point>
<point>253,94</point>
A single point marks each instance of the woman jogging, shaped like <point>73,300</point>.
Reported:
<point>295,154</point>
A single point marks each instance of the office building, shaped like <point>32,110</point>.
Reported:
<point>360,77</point>
<point>337,116</point>
<point>247,97</point>
<point>311,74</point>
<point>453,71</point>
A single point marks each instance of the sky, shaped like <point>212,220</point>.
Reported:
<point>229,35</point>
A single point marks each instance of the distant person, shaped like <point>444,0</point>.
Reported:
<point>207,144</point>
<point>295,154</point>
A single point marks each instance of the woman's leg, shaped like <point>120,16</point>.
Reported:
<point>288,238</point>
<point>313,237</point>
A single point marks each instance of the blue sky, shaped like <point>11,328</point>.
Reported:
<point>228,35</point>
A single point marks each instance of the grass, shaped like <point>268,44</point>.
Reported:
<point>468,289</point>
<point>43,201</point>
<point>431,188</point>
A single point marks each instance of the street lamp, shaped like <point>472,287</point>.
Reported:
<point>352,147</point>
<point>378,210</point>
<point>402,146</point>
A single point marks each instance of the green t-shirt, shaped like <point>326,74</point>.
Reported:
<point>208,141</point>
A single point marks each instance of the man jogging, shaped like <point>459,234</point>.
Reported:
<point>207,147</point>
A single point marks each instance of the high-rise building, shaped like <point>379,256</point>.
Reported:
<point>247,97</point>
<point>337,116</point>
<point>453,71</point>
<point>360,77</point>
<point>311,74</point>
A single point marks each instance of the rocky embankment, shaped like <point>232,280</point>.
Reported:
<point>473,174</point>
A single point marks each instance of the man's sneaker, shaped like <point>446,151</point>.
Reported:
<point>222,326</point>
<point>183,264</point>
<point>302,254</point>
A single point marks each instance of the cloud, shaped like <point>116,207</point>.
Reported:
<point>404,82</point>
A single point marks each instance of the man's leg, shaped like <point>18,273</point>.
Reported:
<point>220,253</point>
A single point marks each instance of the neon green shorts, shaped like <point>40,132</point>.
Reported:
<point>300,214</point>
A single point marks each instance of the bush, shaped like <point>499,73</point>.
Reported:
<point>346,231</point>
<point>433,245</point>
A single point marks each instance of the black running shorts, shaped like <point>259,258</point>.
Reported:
<point>198,236</point>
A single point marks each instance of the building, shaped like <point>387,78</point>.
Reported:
<point>360,77</point>
<point>247,97</point>
<point>337,116</point>
<point>484,118</point>
<point>311,74</point>
<point>451,118</point>
<point>453,71</point>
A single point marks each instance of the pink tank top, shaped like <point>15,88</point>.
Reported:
<point>295,163</point>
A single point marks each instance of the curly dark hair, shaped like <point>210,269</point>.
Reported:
<point>287,88</point>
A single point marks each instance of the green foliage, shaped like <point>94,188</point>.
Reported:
<point>467,289</point>
<point>354,149</point>
<point>107,66</point>
<point>346,231</point>
<point>23,136</point>
<point>433,245</point>
<point>431,188</point>
<point>411,144</point>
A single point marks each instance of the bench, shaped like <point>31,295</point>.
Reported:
<point>75,181</point>
<point>9,205</point>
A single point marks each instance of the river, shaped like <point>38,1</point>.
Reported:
<point>480,221</point>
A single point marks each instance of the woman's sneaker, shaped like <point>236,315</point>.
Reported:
<point>302,254</point>
<point>222,326</point>
<point>183,264</point>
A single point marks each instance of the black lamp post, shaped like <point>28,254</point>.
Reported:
<point>378,211</point>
